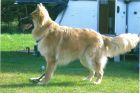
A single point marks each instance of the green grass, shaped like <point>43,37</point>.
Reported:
<point>17,68</point>
<point>14,42</point>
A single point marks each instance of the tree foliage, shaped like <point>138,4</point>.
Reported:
<point>8,10</point>
<point>11,12</point>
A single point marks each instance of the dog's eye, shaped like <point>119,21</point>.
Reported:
<point>36,13</point>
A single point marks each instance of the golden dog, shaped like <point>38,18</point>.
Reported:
<point>61,45</point>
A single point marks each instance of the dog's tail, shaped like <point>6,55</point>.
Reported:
<point>120,44</point>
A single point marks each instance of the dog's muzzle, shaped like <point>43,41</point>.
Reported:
<point>27,21</point>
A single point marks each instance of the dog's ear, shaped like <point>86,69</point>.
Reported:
<point>41,4</point>
<point>38,6</point>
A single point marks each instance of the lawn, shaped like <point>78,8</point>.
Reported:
<point>14,42</point>
<point>17,68</point>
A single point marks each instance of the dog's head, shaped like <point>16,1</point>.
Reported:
<point>40,15</point>
<point>37,18</point>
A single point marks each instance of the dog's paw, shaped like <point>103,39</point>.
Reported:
<point>87,79</point>
<point>34,80</point>
<point>97,82</point>
<point>42,82</point>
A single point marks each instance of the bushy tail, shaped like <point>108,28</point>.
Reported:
<point>120,44</point>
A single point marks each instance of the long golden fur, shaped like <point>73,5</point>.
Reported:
<point>61,45</point>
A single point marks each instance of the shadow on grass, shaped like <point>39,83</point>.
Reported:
<point>23,63</point>
<point>56,84</point>
<point>17,85</point>
<point>20,62</point>
<point>27,63</point>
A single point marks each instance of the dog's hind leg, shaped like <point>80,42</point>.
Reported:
<point>100,64</point>
<point>89,66</point>
<point>100,73</point>
<point>90,76</point>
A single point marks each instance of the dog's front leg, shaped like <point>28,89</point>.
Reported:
<point>51,65</point>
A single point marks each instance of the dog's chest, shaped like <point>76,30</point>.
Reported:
<point>41,48</point>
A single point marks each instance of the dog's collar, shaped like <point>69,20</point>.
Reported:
<point>37,41</point>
